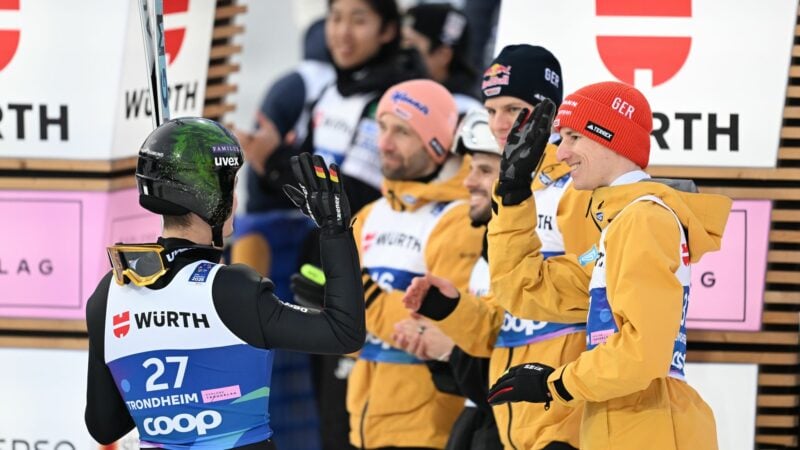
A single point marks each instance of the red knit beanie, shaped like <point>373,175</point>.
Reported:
<point>430,110</point>
<point>613,114</point>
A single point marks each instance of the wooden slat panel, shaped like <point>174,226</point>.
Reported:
<point>790,236</point>
<point>778,401</point>
<point>733,173</point>
<point>71,165</point>
<point>791,112</point>
<point>790,132</point>
<point>218,110</point>
<point>786,215</point>
<point>222,70</point>
<point>67,184</point>
<point>784,440</point>
<point>784,256</point>
<point>222,51</point>
<point>36,342</point>
<point>754,193</point>
<point>220,90</point>
<point>227,31</point>
<point>794,71</point>
<point>764,337</point>
<point>37,324</point>
<point>779,379</point>
<point>782,297</point>
<point>227,12</point>
<point>776,421</point>
<point>780,359</point>
<point>789,153</point>
<point>781,317</point>
<point>783,276</point>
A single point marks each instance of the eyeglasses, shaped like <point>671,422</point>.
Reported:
<point>141,264</point>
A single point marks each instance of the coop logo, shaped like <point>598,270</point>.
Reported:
<point>9,39</point>
<point>662,55</point>
<point>173,37</point>
<point>183,423</point>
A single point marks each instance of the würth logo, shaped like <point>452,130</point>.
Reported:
<point>9,39</point>
<point>122,324</point>
<point>662,55</point>
<point>173,37</point>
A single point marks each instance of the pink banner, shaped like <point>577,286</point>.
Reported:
<point>727,291</point>
<point>52,247</point>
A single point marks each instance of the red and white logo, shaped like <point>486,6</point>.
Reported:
<point>685,254</point>
<point>122,324</point>
<point>369,239</point>
<point>662,55</point>
<point>9,39</point>
<point>173,37</point>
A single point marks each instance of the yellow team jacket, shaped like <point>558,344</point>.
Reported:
<point>476,322</point>
<point>630,400</point>
<point>415,228</point>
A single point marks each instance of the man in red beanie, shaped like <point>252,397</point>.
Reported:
<point>631,376</point>
<point>421,224</point>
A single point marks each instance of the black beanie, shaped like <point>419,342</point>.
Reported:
<point>526,72</point>
<point>441,23</point>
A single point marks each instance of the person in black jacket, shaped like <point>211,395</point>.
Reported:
<point>180,346</point>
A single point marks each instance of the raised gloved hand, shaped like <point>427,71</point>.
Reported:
<point>308,287</point>
<point>523,152</point>
<point>321,195</point>
<point>523,383</point>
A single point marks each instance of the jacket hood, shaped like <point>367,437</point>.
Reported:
<point>446,187</point>
<point>703,216</point>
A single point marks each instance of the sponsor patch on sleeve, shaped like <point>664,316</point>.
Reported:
<point>200,274</point>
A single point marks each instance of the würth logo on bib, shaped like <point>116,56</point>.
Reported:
<point>9,39</point>
<point>122,324</point>
<point>662,55</point>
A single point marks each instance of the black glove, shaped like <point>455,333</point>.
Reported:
<point>523,383</point>
<point>523,152</point>
<point>308,287</point>
<point>321,195</point>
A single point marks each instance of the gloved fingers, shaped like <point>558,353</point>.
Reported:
<point>502,392</point>
<point>296,196</point>
<point>304,170</point>
<point>337,185</point>
<point>321,173</point>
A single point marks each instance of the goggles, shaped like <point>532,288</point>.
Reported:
<point>474,134</point>
<point>140,264</point>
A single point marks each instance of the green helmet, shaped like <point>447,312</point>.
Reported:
<point>187,165</point>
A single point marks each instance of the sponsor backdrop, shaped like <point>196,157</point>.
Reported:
<point>88,100</point>
<point>52,247</point>
<point>727,290</point>
<point>714,71</point>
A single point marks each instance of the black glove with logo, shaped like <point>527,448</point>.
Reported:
<point>321,195</point>
<point>523,383</point>
<point>523,152</point>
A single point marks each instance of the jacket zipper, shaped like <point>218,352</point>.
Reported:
<point>510,411</point>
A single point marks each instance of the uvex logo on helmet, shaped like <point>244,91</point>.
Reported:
<point>662,55</point>
<point>173,37</point>
<point>9,39</point>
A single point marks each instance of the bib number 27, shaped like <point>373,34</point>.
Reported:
<point>152,383</point>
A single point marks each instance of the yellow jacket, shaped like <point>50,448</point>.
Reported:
<point>631,402</point>
<point>424,227</point>
<point>476,322</point>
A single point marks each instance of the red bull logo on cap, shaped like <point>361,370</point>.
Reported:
<point>496,75</point>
